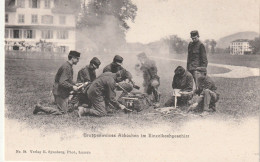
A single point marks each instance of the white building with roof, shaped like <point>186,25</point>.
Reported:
<point>39,25</point>
<point>240,47</point>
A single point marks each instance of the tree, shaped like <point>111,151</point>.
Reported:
<point>104,22</point>
<point>207,42</point>
<point>255,45</point>
<point>176,44</point>
<point>213,44</point>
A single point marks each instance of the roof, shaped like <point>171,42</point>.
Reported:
<point>241,40</point>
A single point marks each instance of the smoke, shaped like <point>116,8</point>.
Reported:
<point>103,38</point>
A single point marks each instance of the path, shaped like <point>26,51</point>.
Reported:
<point>235,71</point>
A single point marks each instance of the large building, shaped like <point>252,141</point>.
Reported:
<point>240,47</point>
<point>39,25</point>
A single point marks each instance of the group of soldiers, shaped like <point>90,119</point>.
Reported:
<point>96,96</point>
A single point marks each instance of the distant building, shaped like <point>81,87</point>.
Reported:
<point>240,47</point>
<point>39,25</point>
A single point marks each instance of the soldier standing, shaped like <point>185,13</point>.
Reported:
<point>197,56</point>
<point>62,87</point>
<point>151,79</point>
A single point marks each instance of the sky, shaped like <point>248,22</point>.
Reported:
<point>212,18</point>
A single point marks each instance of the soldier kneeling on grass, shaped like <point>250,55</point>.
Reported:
<point>182,81</point>
<point>62,87</point>
<point>206,91</point>
<point>101,94</point>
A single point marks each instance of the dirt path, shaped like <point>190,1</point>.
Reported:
<point>235,71</point>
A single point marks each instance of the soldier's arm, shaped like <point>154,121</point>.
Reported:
<point>189,84</point>
<point>204,60</point>
<point>188,58</point>
<point>213,86</point>
<point>111,86</point>
<point>80,78</point>
<point>65,79</point>
<point>106,69</point>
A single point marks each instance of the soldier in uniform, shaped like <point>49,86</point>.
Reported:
<point>182,80</point>
<point>62,87</point>
<point>151,79</point>
<point>102,94</point>
<point>206,91</point>
<point>116,66</point>
<point>86,74</point>
<point>197,56</point>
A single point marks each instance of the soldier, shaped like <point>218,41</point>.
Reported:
<point>197,56</point>
<point>182,80</point>
<point>102,94</point>
<point>62,87</point>
<point>151,79</point>
<point>86,74</point>
<point>116,66</point>
<point>206,91</point>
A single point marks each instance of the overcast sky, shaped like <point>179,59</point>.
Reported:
<point>213,18</point>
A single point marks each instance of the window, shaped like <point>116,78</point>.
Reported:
<point>34,19</point>
<point>47,34</point>
<point>47,19</point>
<point>47,3</point>
<point>62,19</point>
<point>6,18</point>
<point>34,3</point>
<point>29,34</point>
<point>20,18</point>
<point>6,33</point>
<point>62,34</point>
<point>20,3</point>
<point>16,33</point>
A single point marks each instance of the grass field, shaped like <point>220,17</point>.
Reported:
<point>30,80</point>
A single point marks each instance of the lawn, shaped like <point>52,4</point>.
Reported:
<point>30,80</point>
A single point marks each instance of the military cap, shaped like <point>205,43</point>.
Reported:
<point>194,33</point>
<point>179,70</point>
<point>201,69</point>
<point>95,61</point>
<point>74,54</point>
<point>118,59</point>
<point>141,55</point>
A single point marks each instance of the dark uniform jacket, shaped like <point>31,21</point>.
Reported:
<point>113,67</point>
<point>183,82</point>
<point>205,83</point>
<point>149,70</point>
<point>64,81</point>
<point>103,88</point>
<point>197,56</point>
<point>86,75</point>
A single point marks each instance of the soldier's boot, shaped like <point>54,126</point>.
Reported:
<point>47,110</point>
<point>82,111</point>
<point>37,108</point>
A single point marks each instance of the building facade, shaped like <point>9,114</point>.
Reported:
<point>240,47</point>
<point>39,25</point>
